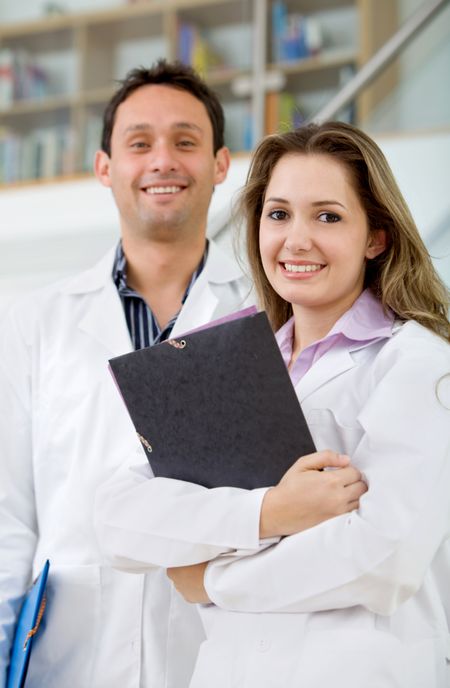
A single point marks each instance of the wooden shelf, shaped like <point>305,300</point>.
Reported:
<point>40,105</point>
<point>325,60</point>
<point>85,53</point>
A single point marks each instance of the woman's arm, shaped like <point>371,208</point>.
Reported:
<point>143,521</point>
<point>376,557</point>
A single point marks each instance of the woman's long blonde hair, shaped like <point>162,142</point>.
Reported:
<point>403,276</point>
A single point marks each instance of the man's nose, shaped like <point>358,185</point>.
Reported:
<point>162,158</point>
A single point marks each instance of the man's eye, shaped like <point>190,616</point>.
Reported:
<point>329,217</point>
<point>186,143</point>
<point>278,214</point>
<point>139,144</point>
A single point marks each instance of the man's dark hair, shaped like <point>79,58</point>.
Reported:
<point>173,74</point>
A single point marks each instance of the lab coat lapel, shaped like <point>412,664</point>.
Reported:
<point>199,308</point>
<point>203,303</point>
<point>103,319</point>
<point>335,362</point>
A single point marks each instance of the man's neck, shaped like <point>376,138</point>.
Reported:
<point>161,271</point>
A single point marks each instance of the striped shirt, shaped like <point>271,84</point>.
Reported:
<point>141,322</point>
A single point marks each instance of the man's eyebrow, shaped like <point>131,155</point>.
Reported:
<point>144,126</point>
<point>137,127</point>
<point>188,125</point>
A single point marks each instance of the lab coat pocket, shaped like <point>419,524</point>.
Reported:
<point>329,431</point>
<point>366,658</point>
<point>71,620</point>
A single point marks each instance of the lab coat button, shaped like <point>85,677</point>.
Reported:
<point>263,645</point>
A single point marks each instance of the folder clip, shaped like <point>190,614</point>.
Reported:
<point>34,630</point>
<point>145,442</point>
<point>177,345</point>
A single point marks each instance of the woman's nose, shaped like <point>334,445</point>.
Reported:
<point>298,238</point>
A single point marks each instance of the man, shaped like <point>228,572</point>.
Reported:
<point>63,427</point>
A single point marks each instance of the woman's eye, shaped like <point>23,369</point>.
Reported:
<point>329,217</point>
<point>278,214</point>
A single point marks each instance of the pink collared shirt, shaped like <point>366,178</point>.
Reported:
<point>365,321</point>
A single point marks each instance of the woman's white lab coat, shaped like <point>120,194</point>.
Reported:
<point>63,431</point>
<point>362,600</point>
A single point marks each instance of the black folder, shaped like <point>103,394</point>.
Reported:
<point>215,407</point>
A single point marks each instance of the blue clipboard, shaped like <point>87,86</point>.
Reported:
<point>26,628</point>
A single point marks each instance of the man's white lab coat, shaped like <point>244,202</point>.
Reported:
<point>63,431</point>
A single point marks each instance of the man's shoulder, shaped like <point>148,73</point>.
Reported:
<point>33,304</point>
<point>223,265</point>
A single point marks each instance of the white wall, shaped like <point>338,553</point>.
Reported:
<point>53,230</point>
<point>421,99</point>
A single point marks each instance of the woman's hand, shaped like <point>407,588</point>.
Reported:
<point>307,495</point>
<point>188,580</point>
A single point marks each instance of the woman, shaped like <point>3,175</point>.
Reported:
<point>360,599</point>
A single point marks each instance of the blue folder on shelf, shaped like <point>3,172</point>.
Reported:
<point>26,628</point>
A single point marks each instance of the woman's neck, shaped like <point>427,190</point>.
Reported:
<point>313,324</point>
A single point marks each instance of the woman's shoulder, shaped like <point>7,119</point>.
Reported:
<point>416,334</point>
<point>413,341</point>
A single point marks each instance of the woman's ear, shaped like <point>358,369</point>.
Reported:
<point>376,243</point>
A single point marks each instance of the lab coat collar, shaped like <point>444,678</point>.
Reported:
<point>219,269</point>
<point>95,277</point>
<point>203,300</point>
<point>104,319</point>
<point>336,361</point>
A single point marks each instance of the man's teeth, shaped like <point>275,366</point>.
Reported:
<point>162,189</point>
<point>301,268</point>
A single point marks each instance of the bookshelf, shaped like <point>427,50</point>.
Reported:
<point>334,38</point>
<point>57,72</point>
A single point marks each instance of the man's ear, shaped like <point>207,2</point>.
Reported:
<point>102,164</point>
<point>222,164</point>
<point>376,243</point>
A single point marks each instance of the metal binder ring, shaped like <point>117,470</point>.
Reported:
<point>145,442</point>
<point>177,345</point>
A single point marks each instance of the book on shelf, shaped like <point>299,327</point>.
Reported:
<point>41,153</point>
<point>294,36</point>
<point>193,48</point>
<point>282,113</point>
<point>6,78</point>
<point>92,138</point>
<point>20,77</point>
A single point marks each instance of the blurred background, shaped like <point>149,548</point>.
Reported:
<point>381,64</point>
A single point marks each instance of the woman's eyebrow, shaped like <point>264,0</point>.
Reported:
<point>276,199</point>
<point>328,202</point>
